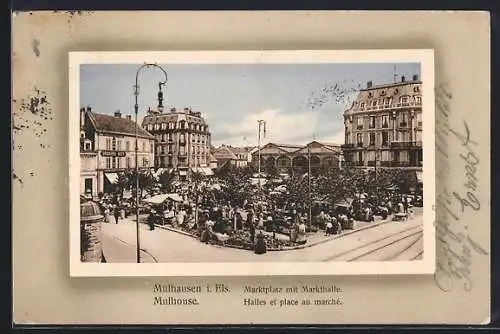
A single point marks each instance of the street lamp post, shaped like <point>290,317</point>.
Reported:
<point>136,110</point>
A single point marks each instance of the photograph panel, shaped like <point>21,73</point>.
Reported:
<point>285,163</point>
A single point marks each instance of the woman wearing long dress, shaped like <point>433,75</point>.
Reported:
<point>260,245</point>
<point>301,236</point>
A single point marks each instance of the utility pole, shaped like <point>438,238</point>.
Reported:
<point>309,181</point>
<point>262,126</point>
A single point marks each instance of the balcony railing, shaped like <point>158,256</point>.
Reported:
<point>391,106</point>
<point>400,164</point>
<point>406,144</point>
<point>359,127</point>
<point>347,146</point>
<point>359,144</point>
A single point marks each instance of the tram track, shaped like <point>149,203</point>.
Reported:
<point>378,244</point>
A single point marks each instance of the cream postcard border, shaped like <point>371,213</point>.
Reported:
<point>425,266</point>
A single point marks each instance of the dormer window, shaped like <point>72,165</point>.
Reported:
<point>370,94</point>
<point>382,93</point>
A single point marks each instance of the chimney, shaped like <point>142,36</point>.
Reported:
<point>82,117</point>
<point>186,110</point>
<point>172,110</point>
<point>415,77</point>
<point>403,78</point>
<point>118,114</point>
<point>129,117</point>
<point>89,109</point>
<point>369,84</point>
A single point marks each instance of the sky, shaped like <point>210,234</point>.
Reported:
<point>293,99</point>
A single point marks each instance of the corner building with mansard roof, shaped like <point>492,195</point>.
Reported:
<point>182,140</point>
<point>383,126</point>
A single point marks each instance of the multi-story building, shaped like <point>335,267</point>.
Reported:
<point>239,157</point>
<point>108,148</point>
<point>182,139</point>
<point>289,158</point>
<point>383,126</point>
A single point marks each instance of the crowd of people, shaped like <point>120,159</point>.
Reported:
<point>263,207</point>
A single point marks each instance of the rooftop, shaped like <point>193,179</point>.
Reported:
<point>174,115</point>
<point>117,125</point>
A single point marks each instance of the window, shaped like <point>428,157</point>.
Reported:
<point>163,126</point>
<point>113,162</point>
<point>152,147</point>
<point>82,135</point>
<point>385,138</point>
<point>385,121</point>
<point>359,139</point>
<point>370,94</point>
<point>360,156</point>
<point>143,147</point>
<point>113,144</point>
<point>418,99</point>
<point>388,101</point>
<point>416,89</point>
<point>144,162</point>
<point>372,122</point>
<point>150,127</point>
<point>404,99</point>
<point>374,103</point>
<point>119,145</point>
<point>118,162</point>
<point>360,122</point>
<point>419,119</point>
<point>372,139</point>
<point>362,105</point>
<point>127,162</point>
<point>127,146</point>
<point>108,144</point>
<point>382,93</point>
<point>88,146</point>
<point>108,162</point>
<point>403,119</point>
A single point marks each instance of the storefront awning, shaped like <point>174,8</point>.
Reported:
<point>112,177</point>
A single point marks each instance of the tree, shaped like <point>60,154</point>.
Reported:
<point>122,183</point>
<point>165,180</point>
<point>146,181</point>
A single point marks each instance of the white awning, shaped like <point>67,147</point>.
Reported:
<point>159,172</point>
<point>158,199</point>
<point>112,177</point>
<point>420,177</point>
<point>175,197</point>
<point>207,171</point>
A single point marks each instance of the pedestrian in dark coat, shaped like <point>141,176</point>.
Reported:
<point>116,213</point>
<point>260,246</point>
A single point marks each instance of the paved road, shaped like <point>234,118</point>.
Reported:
<point>394,241</point>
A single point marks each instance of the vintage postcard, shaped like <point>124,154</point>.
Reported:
<point>252,163</point>
<point>238,153</point>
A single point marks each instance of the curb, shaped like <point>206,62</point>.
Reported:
<point>292,247</point>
